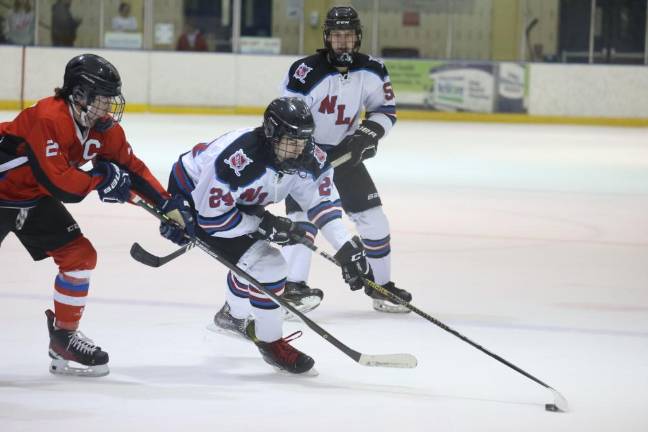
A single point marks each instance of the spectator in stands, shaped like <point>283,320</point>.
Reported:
<point>20,23</point>
<point>64,25</point>
<point>124,22</point>
<point>192,39</point>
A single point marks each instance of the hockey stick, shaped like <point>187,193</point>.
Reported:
<point>141,255</point>
<point>377,360</point>
<point>560,403</point>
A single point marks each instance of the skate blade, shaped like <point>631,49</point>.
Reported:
<point>225,332</point>
<point>385,306</point>
<point>306,305</point>
<point>69,368</point>
<point>311,373</point>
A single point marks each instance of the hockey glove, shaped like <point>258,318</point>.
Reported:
<point>281,230</point>
<point>363,144</point>
<point>115,188</point>
<point>181,226</point>
<point>353,260</point>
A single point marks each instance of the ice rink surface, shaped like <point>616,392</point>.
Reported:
<point>530,240</point>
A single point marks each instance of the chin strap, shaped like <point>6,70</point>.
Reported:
<point>81,114</point>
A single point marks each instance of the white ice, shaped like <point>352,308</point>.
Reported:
<point>530,240</point>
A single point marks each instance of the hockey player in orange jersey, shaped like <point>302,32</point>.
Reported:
<point>41,152</point>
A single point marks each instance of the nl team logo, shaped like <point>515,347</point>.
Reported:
<point>301,72</point>
<point>238,161</point>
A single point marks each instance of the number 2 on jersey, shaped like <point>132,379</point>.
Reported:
<point>325,187</point>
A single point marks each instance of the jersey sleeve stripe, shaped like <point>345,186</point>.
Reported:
<point>182,179</point>
<point>385,120</point>
<point>310,229</point>
<point>217,219</point>
<point>221,223</point>
<point>386,109</point>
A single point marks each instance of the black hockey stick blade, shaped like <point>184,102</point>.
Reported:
<point>142,255</point>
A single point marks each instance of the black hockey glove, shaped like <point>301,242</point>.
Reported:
<point>353,260</point>
<point>363,144</point>
<point>181,226</point>
<point>281,230</point>
<point>115,188</point>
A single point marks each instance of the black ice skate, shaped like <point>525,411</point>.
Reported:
<point>73,346</point>
<point>282,355</point>
<point>301,297</point>
<point>382,304</point>
<point>225,323</point>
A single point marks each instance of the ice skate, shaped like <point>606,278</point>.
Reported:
<point>73,346</point>
<point>301,297</point>
<point>225,323</point>
<point>281,355</point>
<point>382,304</point>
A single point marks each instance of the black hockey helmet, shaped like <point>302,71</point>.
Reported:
<point>289,118</point>
<point>93,85</point>
<point>342,18</point>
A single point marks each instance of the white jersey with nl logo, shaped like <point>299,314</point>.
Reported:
<point>337,100</point>
<point>230,176</point>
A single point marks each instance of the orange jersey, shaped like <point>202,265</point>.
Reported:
<point>41,152</point>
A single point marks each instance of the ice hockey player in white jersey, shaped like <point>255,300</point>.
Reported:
<point>337,83</point>
<point>228,182</point>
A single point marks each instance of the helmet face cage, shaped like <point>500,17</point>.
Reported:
<point>292,153</point>
<point>342,18</point>
<point>288,127</point>
<point>95,91</point>
<point>100,111</point>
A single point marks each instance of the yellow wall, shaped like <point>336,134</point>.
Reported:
<point>505,33</point>
<point>285,27</point>
<point>313,33</point>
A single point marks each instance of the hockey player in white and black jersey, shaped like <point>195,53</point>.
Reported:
<point>338,83</point>
<point>228,182</point>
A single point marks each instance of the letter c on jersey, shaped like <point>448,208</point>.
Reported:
<point>87,146</point>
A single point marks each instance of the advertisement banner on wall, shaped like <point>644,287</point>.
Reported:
<point>460,86</point>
